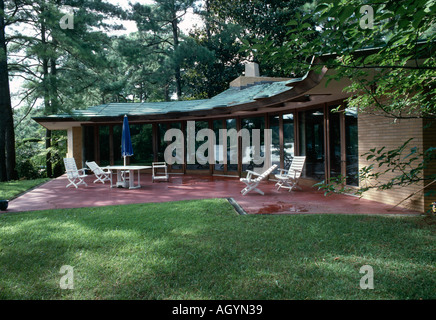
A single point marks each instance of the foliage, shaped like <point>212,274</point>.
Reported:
<point>391,64</point>
<point>59,64</point>
<point>52,61</point>
<point>260,22</point>
<point>32,155</point>
<point>27,170</point>
<point>230,31</point>
<point>30,146</point>
<point>395,161</point>
<point>223,61</point>
<point>160,22</point>
<point>406,163</point>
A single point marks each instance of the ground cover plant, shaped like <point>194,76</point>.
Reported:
<point>204,250</point>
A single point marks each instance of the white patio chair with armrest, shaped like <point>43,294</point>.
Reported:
<point>252,182</point>
<point>99,173</point>
<point>289,178</point>
<point>74,175</point>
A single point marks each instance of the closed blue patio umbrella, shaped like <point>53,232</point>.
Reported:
<point>126,142</point>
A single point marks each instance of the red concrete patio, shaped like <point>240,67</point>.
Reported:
<point>54,195</point>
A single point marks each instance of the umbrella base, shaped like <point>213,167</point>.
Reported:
<point>123,184</point>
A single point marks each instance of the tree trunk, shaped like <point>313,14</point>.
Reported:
<point>177,64</point>
<point>53,82</point>
<point>48,164</point>
<point>3,171</point>
<point>54,102</point>
<point>207,21</point>
<point>47,105</point>
<point>7,134</point>
<point>167,92</point>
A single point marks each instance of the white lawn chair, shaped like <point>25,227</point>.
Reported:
<point>289,178</point>
<point>253,183</point>
<point>99,173</point>
<point>159,174</point>
<point>75,176</point>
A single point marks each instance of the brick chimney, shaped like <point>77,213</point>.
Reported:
<point>252,70</point>
<point>252,77</point>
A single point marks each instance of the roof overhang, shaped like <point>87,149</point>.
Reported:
<point>310,90</point>
<point>59,124</point>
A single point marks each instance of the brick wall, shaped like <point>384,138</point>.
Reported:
<point>378,131</point>
<point>429,134</point>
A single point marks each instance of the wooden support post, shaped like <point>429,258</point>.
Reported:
<point>111,145</point>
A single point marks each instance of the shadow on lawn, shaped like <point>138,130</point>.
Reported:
<point>203,250</point>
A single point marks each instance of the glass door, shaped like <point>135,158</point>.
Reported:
<point>329,142</point>
<point>275,153</point>
<point>335,143</point>
<point>177,166</point>
<point>288,139</point>
<point>196,159</point>
<point>343,152</point>
<point>219,148</point>
<point>232,148</point>
<point>142,143</point>
<point>351,147</point>
<point>311,131</point>
<point>253,150</point>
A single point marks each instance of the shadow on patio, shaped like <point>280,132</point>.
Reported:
<point>54,195</point>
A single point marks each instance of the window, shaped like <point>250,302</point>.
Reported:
<point>274,125</point>
<point>288,139</point>
<point>219,151</point>
<point>89,143</point>
<point>178,165</point>
<point>253,148</point>
<point>311,129</point>
<point>142,143</point>
<point>351,147</point>
<point>335,142</point>
<point>232,150</point>
<point>200,159</point>
<point>103,137</point>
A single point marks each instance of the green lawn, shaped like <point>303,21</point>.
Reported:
<point>204,250</point>
<point>11,189</point>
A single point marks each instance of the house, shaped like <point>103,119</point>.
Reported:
<point>298,112</point>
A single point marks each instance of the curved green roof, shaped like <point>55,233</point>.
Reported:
<point>231,97</point>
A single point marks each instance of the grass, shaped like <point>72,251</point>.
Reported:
<point>204,250</point>
<point>10,190</point>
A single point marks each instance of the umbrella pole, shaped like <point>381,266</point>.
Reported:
<point>124,181</point>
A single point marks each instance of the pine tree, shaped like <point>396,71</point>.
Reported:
<point>162,20</point>
<point>53,50</point>
<point>7,137</point>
